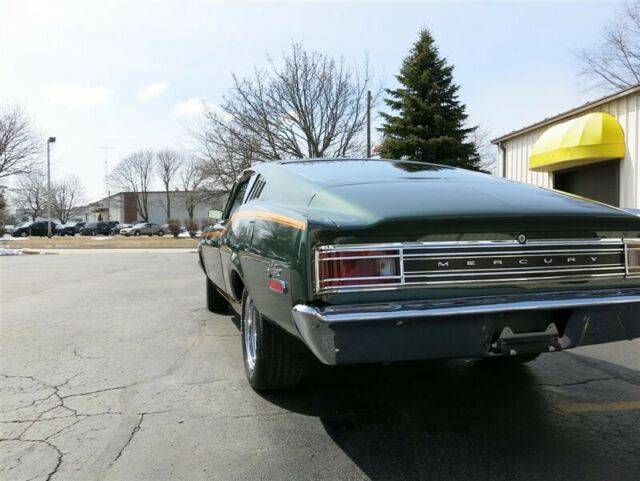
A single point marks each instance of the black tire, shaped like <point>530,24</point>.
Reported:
<point>215,301</point>
<point>160,233</point>
<point>275,363</point>
<point>136,233</point>
<point>23,233</point>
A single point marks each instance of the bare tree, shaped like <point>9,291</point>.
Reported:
<point>192,177</point>
<point>486,151</point>
<point>65,195</point>
<point>4,215</point>
<point>168,164</point>
<point>615,64</point>
<point>311,106</point>
<point>223,156</point>
<point>31,193</point>
<point>135,174</point>
<point>19,142</point>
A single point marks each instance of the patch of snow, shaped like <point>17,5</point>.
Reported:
<point>10,252</point>
<point>186,234</point>
<point>8,237</point>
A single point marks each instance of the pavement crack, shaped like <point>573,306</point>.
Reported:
<point>135,429</point>
<point>59,403</point>
<point>577,383</point>
<point>94,392</point>
<point>59,461</point>
<point>59,454</point>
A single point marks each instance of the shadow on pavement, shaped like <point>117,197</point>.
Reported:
<point>451,420</point>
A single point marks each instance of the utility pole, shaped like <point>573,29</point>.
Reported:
<point>368,124</point>
<point>49,142</point>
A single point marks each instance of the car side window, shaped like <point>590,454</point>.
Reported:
<point>238,198</point>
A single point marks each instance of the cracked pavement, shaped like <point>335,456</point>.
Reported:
<point>111,369</point>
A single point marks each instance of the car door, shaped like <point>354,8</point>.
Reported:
<point>217,250</point>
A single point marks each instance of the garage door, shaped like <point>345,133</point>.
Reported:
<point>597,181</point>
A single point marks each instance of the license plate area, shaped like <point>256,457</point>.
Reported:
<point>512,344</point>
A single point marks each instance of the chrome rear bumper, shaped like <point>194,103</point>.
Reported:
<point>458,327</point>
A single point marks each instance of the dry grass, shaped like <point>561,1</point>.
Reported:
<point>101,242</point>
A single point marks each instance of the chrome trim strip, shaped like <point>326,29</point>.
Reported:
<point>393,311</point>
<point>390,256</point>
<point>442,255</point>
<point>466,244</point>
<point>371,278</point>
<point>509,270</point>
<point>485,282</point>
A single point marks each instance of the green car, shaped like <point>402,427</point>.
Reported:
<point>368,261</point>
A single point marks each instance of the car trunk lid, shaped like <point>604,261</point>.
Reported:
<point>451,205</point>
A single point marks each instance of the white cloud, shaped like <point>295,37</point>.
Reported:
<point>152,90</point>
<point>197,106</point>
<point>193,106</point>
<point>76,96</point>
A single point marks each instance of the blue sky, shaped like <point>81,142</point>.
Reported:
<point>129,74</point>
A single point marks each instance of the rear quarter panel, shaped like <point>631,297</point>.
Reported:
<point>269,240</point>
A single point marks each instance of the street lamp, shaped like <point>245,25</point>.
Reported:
<point>49,142</point>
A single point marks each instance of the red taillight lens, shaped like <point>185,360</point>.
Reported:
<point>351,268</point>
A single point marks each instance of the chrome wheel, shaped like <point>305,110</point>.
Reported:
<point>249,332</point>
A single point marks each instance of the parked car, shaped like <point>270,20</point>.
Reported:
<point>182,228</point>
<point>38,228</point>
<point>79,226</point>
<point>368,261</point>
<point>96,228</point>
<point>144,228</point>
<point>117,228</point>
<point>66,229</point>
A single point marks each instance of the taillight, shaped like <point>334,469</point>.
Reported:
<point>357,268</point>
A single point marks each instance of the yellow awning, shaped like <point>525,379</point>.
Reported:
<point>583,140</point>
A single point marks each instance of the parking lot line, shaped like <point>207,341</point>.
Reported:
<point>599,407</point>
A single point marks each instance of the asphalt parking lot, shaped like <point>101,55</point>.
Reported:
<point>112,369</point>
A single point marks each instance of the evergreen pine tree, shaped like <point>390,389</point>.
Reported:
<point>427,123</point>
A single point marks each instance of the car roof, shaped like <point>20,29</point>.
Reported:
<point>345,171</point>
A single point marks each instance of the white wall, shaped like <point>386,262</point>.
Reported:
<point>157,212</point>
<point>625,109</point>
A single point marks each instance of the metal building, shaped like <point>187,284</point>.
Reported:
<point>592,151</point>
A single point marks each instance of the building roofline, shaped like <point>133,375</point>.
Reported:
<point>212,192</point>
<point>568,113</point>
